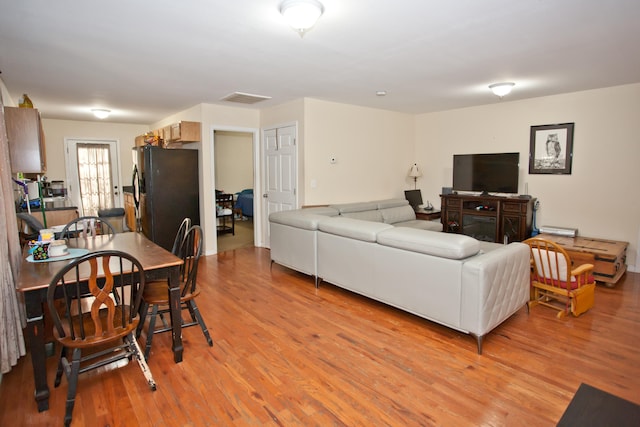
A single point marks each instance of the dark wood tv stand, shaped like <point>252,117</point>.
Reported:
<point>488,218</point>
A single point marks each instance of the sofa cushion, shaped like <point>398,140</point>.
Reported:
<point>352,228</point>
<point>445,245</point>
<point>398,214</point>
<point>355,207</point>
<point>296,219</point>
<point>391,203</point>
<point>374,215</point>
<point>420,224</point>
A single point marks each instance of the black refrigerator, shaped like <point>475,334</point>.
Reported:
<point>165,187</point>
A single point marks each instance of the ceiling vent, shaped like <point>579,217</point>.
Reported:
<point>245,98</point>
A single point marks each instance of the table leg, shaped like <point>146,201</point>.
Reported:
<point>35,339</point>
<point>176,317</point>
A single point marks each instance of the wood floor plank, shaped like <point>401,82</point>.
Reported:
<point>286,353</point>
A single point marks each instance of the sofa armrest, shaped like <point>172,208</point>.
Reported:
<point>494,286</point>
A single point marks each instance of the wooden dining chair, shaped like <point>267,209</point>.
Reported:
<point>155,297</point>
<point>105,332</point>
<point>554,281</point>
<point>87,226</point>
<point>185,225</point>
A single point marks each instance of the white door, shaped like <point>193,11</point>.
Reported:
<point>111,193</point>
<point>280,170</point>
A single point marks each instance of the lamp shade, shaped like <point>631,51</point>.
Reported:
<point>415,171</point>
<point>301,15</point>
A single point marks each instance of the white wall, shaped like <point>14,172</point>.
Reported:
<point>600,197</point>
<point>374,151</point>
<point>233,161</point>
<point>55,132</point>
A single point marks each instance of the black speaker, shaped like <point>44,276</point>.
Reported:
<point>447,190</point>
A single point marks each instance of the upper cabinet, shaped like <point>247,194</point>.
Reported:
<point>183,132</point>
<point>26,140</point>
<point>172,136</point>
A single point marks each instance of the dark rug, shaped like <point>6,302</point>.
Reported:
<point>591,407</point>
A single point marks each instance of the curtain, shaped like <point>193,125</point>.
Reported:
<point>11,313</point>
<point>94,173</point>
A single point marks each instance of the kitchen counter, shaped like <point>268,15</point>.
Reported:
<point>62,208</point>
<point>55,216</point>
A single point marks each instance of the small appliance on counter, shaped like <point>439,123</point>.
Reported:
<point>41,193</point>
<point>54,194</point>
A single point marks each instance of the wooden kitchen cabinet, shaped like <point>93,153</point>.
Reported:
<point>129,211</point>
<point>184,132</point>
<point>26,140</point>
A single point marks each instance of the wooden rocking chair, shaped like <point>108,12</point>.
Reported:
<point>555,283</point>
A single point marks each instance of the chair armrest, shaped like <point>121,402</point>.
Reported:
<point>582,269</point>
<point>583,274</point>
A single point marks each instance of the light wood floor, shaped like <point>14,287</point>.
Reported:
<point>286,354</point>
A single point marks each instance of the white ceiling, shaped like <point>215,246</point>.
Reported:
<point>147,59</point>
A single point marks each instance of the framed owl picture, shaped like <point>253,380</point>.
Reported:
<point>551,149</point>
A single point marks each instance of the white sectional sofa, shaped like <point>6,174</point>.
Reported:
<point>293,234</point>
<point>451,279</point>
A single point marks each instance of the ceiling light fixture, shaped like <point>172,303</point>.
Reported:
<point>501,89</point>
<point>301,15</point>
<point>101,113</point>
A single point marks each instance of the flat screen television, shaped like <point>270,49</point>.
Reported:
<point>487,173</point>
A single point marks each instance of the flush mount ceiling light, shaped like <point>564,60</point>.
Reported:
<point>101,113</point>
<point>301,15</point>
<point>501,89</point>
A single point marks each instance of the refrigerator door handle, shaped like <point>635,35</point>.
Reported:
<point>136,187</point>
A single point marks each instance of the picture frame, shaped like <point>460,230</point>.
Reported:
<point>551,149</point>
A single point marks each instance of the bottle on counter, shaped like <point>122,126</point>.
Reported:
<point>25,102</point>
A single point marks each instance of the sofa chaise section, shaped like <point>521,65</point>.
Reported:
<point>450,279</point>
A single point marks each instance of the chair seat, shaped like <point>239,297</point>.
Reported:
<point>573,284</point>
<point>119,330</point>
<point>156,293</point>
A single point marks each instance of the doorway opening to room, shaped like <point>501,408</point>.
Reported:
<point>234,186</point>
<point>93,177</point>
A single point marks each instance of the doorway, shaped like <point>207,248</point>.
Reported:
<point>234,176</point>
<point>93,174</point>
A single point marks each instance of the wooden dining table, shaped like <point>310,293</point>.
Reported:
<point>33,282</point>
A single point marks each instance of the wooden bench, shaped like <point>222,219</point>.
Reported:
<point>607,256</point>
